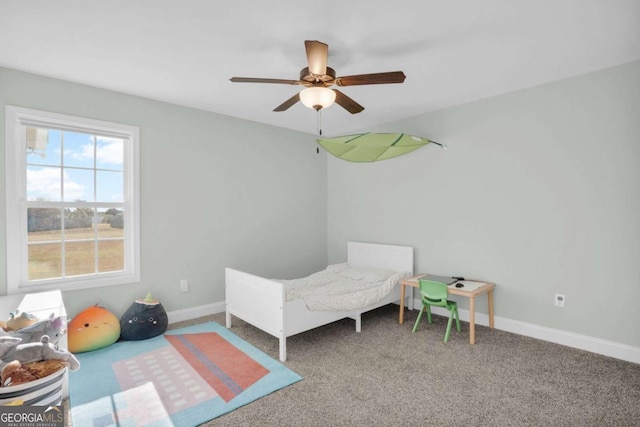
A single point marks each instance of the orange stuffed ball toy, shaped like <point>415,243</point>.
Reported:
<point>92,329</point>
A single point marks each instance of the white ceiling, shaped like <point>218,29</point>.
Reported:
<point>184,52</point>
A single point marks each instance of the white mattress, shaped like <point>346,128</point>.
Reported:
<point>342,287</point>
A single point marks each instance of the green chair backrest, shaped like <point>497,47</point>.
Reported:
<point>434,293</point>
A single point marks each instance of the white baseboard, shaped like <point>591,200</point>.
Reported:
<point>195,312</point>
<point>570,339</point>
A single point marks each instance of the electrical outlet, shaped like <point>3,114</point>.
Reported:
<point>184,285</point>
<point>559,300</point>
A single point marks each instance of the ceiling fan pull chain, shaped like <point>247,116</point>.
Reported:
<point>319,121</point>
<point>319,126</point>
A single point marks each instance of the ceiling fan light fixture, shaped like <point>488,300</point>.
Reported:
<point>317,77</point>
<point>317,97</point>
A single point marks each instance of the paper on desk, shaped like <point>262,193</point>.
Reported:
<point>433,277</point>
<point>468,285</point>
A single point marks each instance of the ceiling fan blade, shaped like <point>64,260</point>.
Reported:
<point>259,80</point>
<point>288,103</point>
<point>347,103</point>
<point>371,79</point>
<point>317,53</point>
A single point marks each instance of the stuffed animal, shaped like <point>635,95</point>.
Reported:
<point>145,318</point>
<point>7,344</point>
<point>15,373</point>
<point>93,328</point>
<point>18,320</point>
<point>12,350</point>
<point>44,350</point>
<point>52,327</point>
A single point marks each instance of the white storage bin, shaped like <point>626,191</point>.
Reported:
<point>43,392</point>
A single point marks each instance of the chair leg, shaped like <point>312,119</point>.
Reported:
<point>457,319</point>
<point>429,313</point>
<point>446,335</point>
<point>418,319</point>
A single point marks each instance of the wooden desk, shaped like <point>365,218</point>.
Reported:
<point>486,288</point>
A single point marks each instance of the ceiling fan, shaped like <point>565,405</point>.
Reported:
<point>317,77</point>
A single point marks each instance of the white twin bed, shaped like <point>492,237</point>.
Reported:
<point>264,303</point>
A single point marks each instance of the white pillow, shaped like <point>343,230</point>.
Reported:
<point>337,268</point>
<point>367,274</point>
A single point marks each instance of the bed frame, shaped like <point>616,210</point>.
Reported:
<point>261,302</point>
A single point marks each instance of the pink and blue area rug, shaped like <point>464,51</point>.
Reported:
<point>182,378</point>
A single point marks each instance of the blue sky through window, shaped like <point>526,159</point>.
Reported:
<point>82,152</point>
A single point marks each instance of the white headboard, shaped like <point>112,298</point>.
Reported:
<point>375,255</point>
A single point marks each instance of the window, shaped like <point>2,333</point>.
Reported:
<point>72,202</point>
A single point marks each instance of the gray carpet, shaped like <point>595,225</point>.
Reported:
<point>387,376</point>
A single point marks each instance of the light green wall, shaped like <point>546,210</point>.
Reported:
<point>215,192</point>
<point>539,192</point>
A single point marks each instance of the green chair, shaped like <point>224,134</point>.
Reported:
<point>435,294</point>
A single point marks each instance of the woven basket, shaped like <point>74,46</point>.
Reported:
<point>46,391</point>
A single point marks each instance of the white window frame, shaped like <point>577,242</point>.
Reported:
<point>16,203</point>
